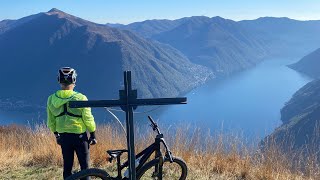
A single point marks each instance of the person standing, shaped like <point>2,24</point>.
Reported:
<point>70,125</point>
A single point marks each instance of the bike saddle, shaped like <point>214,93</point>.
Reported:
<point>116,153</point>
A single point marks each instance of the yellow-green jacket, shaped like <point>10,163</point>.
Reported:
<point>66,123</point>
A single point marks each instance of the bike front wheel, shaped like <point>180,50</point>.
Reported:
<point>89,174</point>
<point>177,170</point>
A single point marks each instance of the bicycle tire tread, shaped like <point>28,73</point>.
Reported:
<point>90,172</point>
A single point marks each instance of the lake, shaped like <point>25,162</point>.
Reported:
<point>7,118</point>
<point>247,103</point>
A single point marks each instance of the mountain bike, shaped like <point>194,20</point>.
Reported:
<point>167,167</point>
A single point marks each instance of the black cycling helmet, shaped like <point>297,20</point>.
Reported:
<point>67,75</point>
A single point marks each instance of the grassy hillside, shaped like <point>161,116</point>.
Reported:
<point>33,154</point>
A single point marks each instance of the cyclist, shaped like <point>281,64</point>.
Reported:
<point>70,125</point>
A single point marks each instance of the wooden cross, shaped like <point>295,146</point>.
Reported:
<point>128,102</point>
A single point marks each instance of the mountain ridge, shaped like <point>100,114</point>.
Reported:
<point>309,64</point>
<point>215,42</point>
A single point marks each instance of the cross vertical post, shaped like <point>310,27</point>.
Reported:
<point>128,95</point>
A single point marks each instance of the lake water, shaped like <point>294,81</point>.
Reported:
<point>7,118</point>
<point>248,103</point>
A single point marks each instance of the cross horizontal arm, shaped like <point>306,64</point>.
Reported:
<point>158,101</point>
<point>96,103</point>
<point>133,102</point>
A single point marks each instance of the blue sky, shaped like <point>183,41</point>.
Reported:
<point>126,11</point>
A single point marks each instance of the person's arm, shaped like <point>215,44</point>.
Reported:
<point>51,122</point>
<point>88,118</point>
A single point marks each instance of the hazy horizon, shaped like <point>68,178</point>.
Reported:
<point>165,19</point>
<point>126,12</point>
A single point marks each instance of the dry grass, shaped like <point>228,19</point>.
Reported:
<point>27,153</point>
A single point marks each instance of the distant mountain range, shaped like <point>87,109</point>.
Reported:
<point>150,28</point>
<point>220,44</point>
<point>301,120</point>
<point>228,46</point>
<point>286,37</point>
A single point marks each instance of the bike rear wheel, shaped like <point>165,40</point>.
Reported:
<point>177,170</point>
<point>92,173</point>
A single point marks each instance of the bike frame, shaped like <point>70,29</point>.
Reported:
<point>146,154</point>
